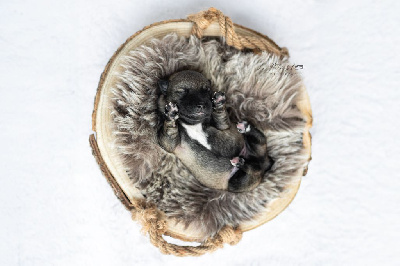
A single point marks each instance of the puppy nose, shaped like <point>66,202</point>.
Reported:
<point>199,107</point>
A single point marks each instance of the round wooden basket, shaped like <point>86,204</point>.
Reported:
<point>207,23</point>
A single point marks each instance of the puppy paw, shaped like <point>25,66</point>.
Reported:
<point>237,162</point>
<point>171,112</point>
<point>243,127</point>
<point>219,99</point>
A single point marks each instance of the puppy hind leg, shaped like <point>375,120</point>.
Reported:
<point>244,178</point>
<point>237,162</point>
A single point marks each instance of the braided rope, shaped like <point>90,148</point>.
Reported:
<point>155,226</point>
<point>203,19</point>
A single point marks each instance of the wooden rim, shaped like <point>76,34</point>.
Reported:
<point>102,152</point>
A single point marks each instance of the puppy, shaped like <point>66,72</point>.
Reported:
<point>197,129</point>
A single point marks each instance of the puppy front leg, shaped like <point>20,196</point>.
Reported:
<point>169,135</point>
<point>219,113</point>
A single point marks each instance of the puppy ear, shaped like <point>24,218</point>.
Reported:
<point>163,85</point>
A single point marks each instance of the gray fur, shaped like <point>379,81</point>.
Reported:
<point>253,94</point>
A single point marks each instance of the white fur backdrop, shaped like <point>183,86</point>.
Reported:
<point>57,209</point>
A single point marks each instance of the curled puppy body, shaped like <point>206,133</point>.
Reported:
<point>196,128</point>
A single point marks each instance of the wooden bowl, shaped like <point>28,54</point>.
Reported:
<point>101,120</point>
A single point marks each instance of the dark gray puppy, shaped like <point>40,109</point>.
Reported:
<point>196,128</point>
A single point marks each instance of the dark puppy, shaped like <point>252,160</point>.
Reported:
<point>196,128</point>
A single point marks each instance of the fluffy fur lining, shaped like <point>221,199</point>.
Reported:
<point>260,88</point>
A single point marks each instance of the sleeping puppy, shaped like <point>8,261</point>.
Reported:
<point>196,128</point>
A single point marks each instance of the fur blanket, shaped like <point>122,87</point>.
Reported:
<point>260,88</point>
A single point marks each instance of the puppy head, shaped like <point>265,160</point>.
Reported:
<point>191,91</point>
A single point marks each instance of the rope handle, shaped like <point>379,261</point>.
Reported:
<point>155,226</point>
<point>203,19</point>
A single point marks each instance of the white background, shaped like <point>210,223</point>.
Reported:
<point>56,208</point>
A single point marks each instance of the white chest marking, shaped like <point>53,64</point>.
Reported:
<point>196,132</point>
